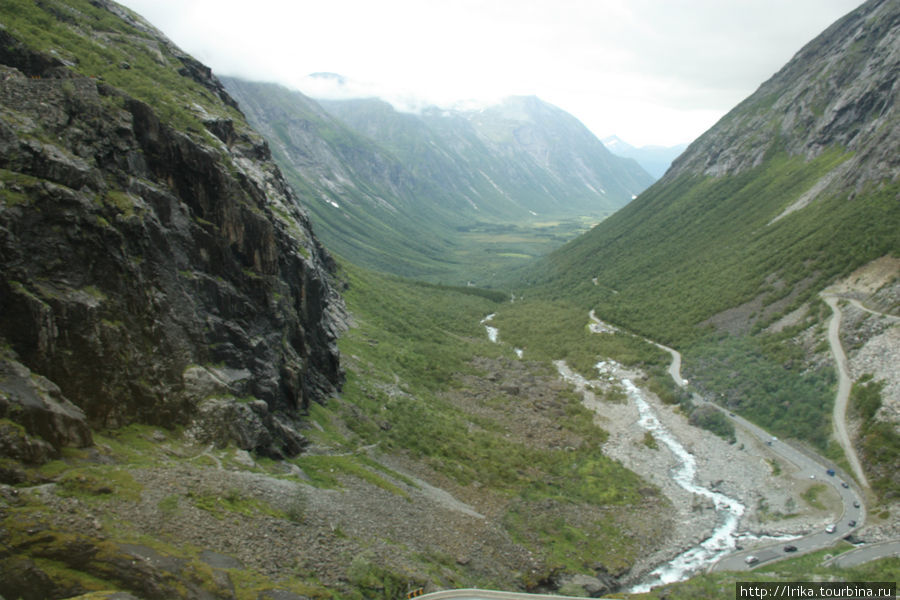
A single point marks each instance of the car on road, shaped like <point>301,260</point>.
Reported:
<point>855,504</point>
<point>844,484</point>
<point>830,472</point>
<point>852,523</point>
<point>790,548</point>
<point>751,560</point>
<point>830,528</point>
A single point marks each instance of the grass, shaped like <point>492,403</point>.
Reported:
<point>326,471</point>
<point>811,495</point>
<point>412,343</point>
<point>98,484</point>
<point>557,330</point>
<point>232,502</point>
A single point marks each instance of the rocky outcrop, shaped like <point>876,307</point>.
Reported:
<point>839,91</point>
<point>138,242</point>
<point>36,421</point>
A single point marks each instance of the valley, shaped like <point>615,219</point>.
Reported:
<point>258,346</point>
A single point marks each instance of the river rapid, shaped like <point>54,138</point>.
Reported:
<point>729,511</point>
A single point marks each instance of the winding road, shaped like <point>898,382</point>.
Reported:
<point>839,416</point>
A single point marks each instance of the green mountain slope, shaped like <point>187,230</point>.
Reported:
<point>363,200</point>
<point>519,157</point>
<point>795,188</point>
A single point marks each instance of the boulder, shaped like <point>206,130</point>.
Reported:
<point>246,423</point>
<point>36,420</point>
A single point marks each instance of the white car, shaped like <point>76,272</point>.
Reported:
<point>750,560</point>
<point>830,528</point>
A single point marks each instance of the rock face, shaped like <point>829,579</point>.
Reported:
<point>141,244</point>
<point>839,90</point>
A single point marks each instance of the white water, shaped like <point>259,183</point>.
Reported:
<point>722,540</point>
<point>493,332</point>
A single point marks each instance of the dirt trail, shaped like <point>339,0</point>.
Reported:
<point>839,417</point>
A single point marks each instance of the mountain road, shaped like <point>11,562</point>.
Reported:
<point>839,417</point>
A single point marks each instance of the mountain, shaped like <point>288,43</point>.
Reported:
<point>519,157</point>
<point>400,192</point>
<point>793,190</point>
<point>798,183</point>
<point>154,264</point>
<point>655,159</point>
<point>365,203</point>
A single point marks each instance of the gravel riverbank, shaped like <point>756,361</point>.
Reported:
<point>768,486</point>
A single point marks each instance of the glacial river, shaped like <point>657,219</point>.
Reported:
<point>723,539</point>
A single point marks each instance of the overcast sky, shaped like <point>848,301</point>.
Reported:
<point>650,71</point>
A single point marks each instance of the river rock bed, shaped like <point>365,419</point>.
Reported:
<point>723,467</point>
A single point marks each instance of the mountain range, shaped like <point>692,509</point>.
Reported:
<point>392,190</point>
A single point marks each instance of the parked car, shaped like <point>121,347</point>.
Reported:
<point>830,528</point>
<point>790,548</point>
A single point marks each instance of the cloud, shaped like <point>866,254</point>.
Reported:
<point>612,63</point>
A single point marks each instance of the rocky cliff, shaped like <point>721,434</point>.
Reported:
<point>154,265</point>
<point>840,90</point>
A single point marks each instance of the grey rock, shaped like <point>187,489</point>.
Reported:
<point>48,420</point>
<point>145,267</point>
<point>248,424</point>
<point>594,587</point>
<point>838,91</point>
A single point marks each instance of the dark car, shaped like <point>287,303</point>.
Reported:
<point>790,548</point>
<point>855,504</point>
<point>852,523</point>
